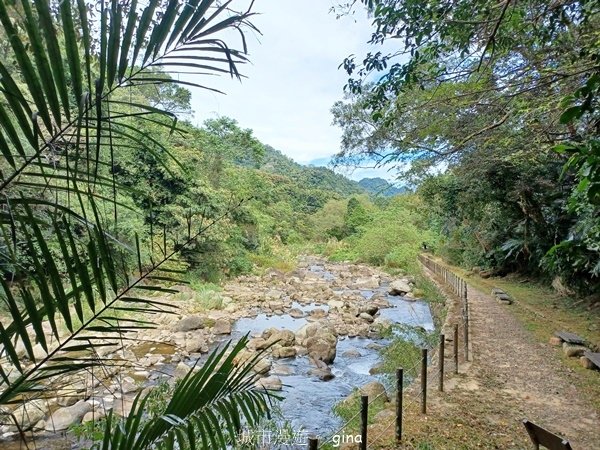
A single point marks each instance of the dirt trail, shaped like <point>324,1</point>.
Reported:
<point>511,376</point>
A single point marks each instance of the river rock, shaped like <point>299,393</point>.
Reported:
<point>399,287</point>
<point>189,323</point>
<point>262,366</point>
<point>272,383</point>
<point>296,313</point>
<point>369,308</point>
<point>28,414</point>
<point>351,353</point>
<point>318,313</point>
<point>257,343</point>
<point>283,352</point>
<point>366,283</point>
<point>222,326</point>
<point>181,371</point>
<point>123,406</point>
<point>335,304</point>
<point>322,373</point>
<point>322,346</point>
<point>68,397</point>
<point>63,418</point>
<point>93,416</point>
<point>366,316</point>
<point>285,338</point>
<point>282,369</point>
<point>196,344</point>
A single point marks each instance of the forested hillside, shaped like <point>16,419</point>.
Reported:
<point>224,165</point>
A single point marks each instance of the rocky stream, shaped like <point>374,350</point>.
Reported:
<point>326,320</point>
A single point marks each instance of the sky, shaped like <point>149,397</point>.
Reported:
<point>293,80</point>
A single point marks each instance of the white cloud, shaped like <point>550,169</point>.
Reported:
<point>294,77</point>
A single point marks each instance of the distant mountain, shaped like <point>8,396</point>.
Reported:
<point>379,186</point>
<point>310,176</point>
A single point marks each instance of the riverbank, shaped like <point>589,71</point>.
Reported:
<point>514,374</point>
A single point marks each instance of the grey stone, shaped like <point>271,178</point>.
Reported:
<point>63,418</point>
<point>399,287</point>
<point>189,323</point>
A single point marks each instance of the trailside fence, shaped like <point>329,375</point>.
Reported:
<point>431,368</point>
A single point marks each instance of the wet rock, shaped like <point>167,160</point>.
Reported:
<point>323,374</point>
<point>281,369</point>
<point>322,345</point>
<point>376,369</point>
<point>351,353</point>
<point>272,383</point>
<point>296,313</point>
<point>321,370</point>
<point>399,287</point>
<point>63,418</point>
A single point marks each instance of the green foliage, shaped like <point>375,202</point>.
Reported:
<point>96,205</point>
<point>455,103</point>
<point>394,236</point>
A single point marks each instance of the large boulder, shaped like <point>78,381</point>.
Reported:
<point>189,323</point>
<point>322,345</point>
<point>399,287</point>
<point>272,383</point>
<point>63,418</point>
<point>285,338</point>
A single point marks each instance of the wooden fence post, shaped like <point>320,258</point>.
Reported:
<point>466,338</point>
<point>399,389</point>
<point>424,381</point>
<point>442,344</point>
<point>364,417</point>
<point>455,348</point>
